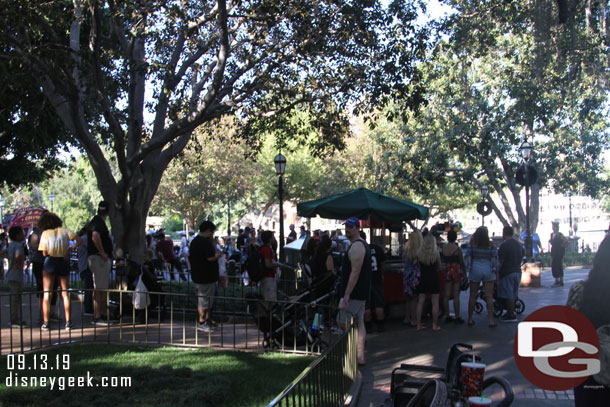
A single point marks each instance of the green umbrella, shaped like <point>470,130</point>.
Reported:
<point>363,203</point>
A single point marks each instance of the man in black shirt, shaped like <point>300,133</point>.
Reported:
<point>99,260</point>
<point>355,286</point>
<point>510,255</point>
<point>203,256</point>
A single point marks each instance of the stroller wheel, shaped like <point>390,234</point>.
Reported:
<point>519,306</point>
<point>478,307</point>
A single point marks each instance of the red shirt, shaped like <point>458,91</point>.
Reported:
<point>267,253</point>
<point>166,248</point>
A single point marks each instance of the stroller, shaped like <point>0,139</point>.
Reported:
<point>441,387</point>
<point>127,278</point>
<point>498,303</point>
<point>295,323</point>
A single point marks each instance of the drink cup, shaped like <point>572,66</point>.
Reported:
<point>479,401</point>
<point>472,379</point>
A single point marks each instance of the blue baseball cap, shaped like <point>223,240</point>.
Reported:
<point>353,221</point>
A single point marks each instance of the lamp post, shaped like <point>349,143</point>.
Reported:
<point>280,168</point>
<point>571,232</point>
<point>484,191</point>
<point>51,199</point>
<point>2,203</point>
<point>526,176</point>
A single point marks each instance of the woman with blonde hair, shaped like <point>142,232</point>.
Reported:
<point>429,260</point>
<point>482,260</point>
<point>411,275</point>
<point>55,246</point>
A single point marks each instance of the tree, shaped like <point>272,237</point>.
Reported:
<point>141,76</point>
<point>507,74</point>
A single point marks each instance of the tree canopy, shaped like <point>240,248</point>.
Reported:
<point>141,76</point>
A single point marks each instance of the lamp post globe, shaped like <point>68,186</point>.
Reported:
<point>280,168</point>
<point>526,150</point>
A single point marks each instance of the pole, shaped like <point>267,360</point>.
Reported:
<point>570,203</point>
<point>482,220</point>
<point>528,234</point>
<point>229,219</point>
<point>280,186</point>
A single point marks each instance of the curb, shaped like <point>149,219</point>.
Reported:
<point>354,391</point>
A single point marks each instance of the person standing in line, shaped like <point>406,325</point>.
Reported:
<point>411,276</point>
<point>14,275</point>
<point>292,236</point>
<point>55,246</point>
<point>455,268</point>
<point>429,260</point>
<point>269,281</point>
<point>376,302</point>
<point>509,255</point>
<point>165,251</point>
<point>481,258</point>
<point>203,256</point>
<point>183,254</point>
<point>99,260</point>
<point>85,273</point>
<point>355,286</point>
<point>559,244</point>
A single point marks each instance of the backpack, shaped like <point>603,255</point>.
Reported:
<point>255,264</point>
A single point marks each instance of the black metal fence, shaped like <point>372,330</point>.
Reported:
<point>327,380</point>
<point>246,322</point>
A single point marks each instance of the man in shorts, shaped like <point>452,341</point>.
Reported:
<point>510,255</point>
<point>203,256</point>
<point>99,260</point>
<point>355,286</point>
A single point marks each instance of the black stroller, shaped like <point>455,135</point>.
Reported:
<point>498,303</point>
<point>127,278</point>
<point>439,387</point>
<point>295,323</point>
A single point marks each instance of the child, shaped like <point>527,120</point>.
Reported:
<point>16,259</point>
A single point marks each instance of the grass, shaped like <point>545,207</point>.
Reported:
<point>159,377</point>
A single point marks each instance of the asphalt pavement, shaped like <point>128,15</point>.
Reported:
<point>403,344</point>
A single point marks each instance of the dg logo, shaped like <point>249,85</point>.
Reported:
<point>556,348</point>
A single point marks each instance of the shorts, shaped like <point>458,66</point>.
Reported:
<point>269,288</point>
<point>481,271</point>
<point>205,295</point>
<point>355,308</point>
<point>100,270</point>
<point>508,286</point>
<point>376,299</point>
<point>58,266</point>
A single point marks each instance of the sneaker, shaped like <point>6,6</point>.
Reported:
<point>203,327</point>
<point>45,326</point>
<point>508,318</point>
<point>100,322</point>
<point>68,325</point>
<point>18,324</point>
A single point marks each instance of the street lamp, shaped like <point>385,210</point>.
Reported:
<point>484,207</point>
<point>2,203</point>
<point>527,176</point>
<point>51,199</point>
<point>280,168</point>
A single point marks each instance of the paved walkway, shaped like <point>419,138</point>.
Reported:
<point>402,344</point>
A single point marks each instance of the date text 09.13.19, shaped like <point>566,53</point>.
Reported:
<point>37,361</point>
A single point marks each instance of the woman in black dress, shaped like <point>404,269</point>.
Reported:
<point>430,265</point>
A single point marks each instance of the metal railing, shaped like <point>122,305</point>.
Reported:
<point>172,319</point>
<point>327,380</point>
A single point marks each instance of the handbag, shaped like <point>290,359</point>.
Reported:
<point>141,298</point>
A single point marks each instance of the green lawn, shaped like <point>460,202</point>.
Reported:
<point>159,377</point>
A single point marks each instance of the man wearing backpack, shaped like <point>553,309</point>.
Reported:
<point>269,283</point>
<point>203,256</point>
